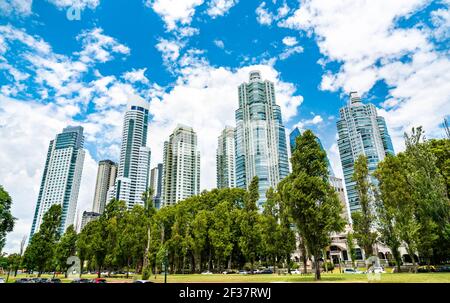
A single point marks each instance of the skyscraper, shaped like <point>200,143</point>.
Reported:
<point>361,132</point>
<point>260,136</point>
<point>88,216</point>
<point>156,176</point>
<point>61,179</point>
<point>335,182</point>
<point>106,177</point>
<point>225,156</point>
<point>181,178</point>
<point>134,166</point>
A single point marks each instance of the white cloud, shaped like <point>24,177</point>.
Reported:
<point>99,47</point>
<point>364,37</point>
<point>317,119</point>
<point>174,12</point>
<point>15,7</point>
<point>170,50</point>
<point>290,51</point>
<point>289,41</point>
<point>136,76</point>
<point>263,16</point>
<point>219,43</point>
<point>81,4</point>
<point>220,7</point>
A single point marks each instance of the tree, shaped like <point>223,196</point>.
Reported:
<point>66,248</point>
<point>39,253</point>
<point>440,148</point>
<point>351,248</point>
<point>312,202</point>
<point>250,235</point>
<point>6,218</point>
<point>363,219</point>
<point>432,206</point>
<point>392,194</point>
<point>220,232</point>
<point>147,197</point>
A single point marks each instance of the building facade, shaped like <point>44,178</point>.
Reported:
<point>225,157</point>
<point>106,178</point>
<point>133,176</point>
<point>360,132</point>
<point>181,167</point>
<point>260,138</point>
<point>61,179</point>
<point>156,176</point>
<point>87,217</point>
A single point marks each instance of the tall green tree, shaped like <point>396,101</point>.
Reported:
<point>392,195</point>
<point>66,248</point>
<point>250,234</point>
<point>40,252</point>
<point>313,204</point>
<point>364,219</point>
<point>6,218</point>
<point>432,210</point>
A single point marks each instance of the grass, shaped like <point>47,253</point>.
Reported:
<point>326,277</point>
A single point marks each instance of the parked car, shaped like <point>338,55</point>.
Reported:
<point>81,281</point>
<point>352,271</point>
<point>98,280</point>
<point>2,280</point>
<point>207,272</point>
<point>55,280</point>
<point>243,272</point>
<point>296,272</point>
<point>443,269</point>
<point>142,281</point>
<point>426,268</point>
<point>228,272</point>
<point>266,271</point>
<point>376,270</point>
<point>23,280</point>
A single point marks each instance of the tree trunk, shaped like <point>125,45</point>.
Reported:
<point>317,266</point>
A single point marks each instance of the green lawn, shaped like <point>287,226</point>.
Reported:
<point>330,277</point>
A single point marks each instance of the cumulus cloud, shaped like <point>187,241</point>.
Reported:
<point>289,41</point>
<point>136,76</point>
<point>174,13</point>
<point>15,7</point>
<point>219,43</point>
<point>81,4</point>
<point>220,7</point>
<point>364,37</point>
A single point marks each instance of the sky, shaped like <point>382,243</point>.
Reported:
<point>78,62</point>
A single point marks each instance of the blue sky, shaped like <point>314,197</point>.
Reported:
<point>187,57</point>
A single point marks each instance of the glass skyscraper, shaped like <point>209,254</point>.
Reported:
<point>181,167</point>
<point>156,184</point>
<point>225,157</point>
<point>133,177</point>
<point>61,179</point>
<point>260,138</point>
<point>361,132</point>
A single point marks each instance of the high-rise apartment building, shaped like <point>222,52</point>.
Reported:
<point>133,176</point>
<point>106,178</point>
<point>361,132</point>
<point>88,216</point>
<point>181,177</point>
<point>156,176</point>
<point>61,179</point>
<point>260,138</point>
<point>225,157</point>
